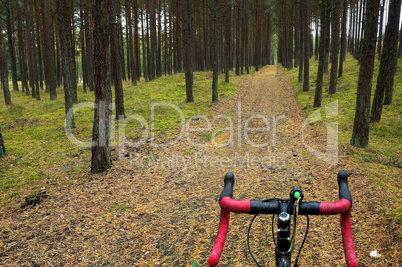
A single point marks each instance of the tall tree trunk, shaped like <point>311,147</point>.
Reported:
<point>227,38</point>
<point>361,125</point>
<point>4,71</point>
<point>31,45</point>
<point>301,42</point>
<point>380,30</point>
<point>116,64</point>
<point>121,41</point>
<point>188,44</point>
<point>11,50</point>
<point>297,34</point>
<point>128,36</point>
<point>320,71</point>
<point>153,50</point>
<point>316,39</point>
<point>327,38</point>
<point>389,59</point>
<point>257,37</point>
<point>205,31</point>
<point>144,48</point>
<point>343,38</point>
<point>22,59</point>
<point>238,35</point>
<point>50,70</point>
<point>215,49</point>
<point>89,44</point>
<point>39,38</point>
<point>101,137</point>
<point>246,44</point>
<point>159,43</point>
<point>83,49</point>
<point>3,151</point>
<point>306,31</point>
<point>335,28</point>
<point>136,42</point>
<point>63,16</point>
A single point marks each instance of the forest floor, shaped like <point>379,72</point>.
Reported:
<point>158,206</point>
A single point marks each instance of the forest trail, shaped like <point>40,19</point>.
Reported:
<point>159,207</point>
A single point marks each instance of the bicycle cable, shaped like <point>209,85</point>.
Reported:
<point>304,240</point>
<point>249,228</point>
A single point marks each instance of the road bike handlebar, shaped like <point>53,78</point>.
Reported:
<point>342,207</point>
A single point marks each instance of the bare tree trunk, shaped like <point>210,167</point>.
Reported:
<point>116,64</point>
<point>50,70</point>
<point>301,42</point>
<point>361,125</point>
<point>83,48</point>
<point>380,31</point>
<point>335,28</point>
<point>89,44</point>
<point>188,44</point>
<point>228,39</point>
<point>22,60</point>
<point>3,151</point>
<point>144,48</point>
<point>101,139</point>
<point>11,50</point>
<point>4,71</point>
<point>389,59</point>
<point>63,16</point>
<point>215,48</point>
<point>320,71</point>
<point>238,35</point>
<point>343,38</point>
<point>306,31</point>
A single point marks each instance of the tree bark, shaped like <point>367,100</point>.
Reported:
<point>301,42</point>
<point>89,44</point>
<point>83,48</point>
<point>327,38</point>
<point>228,39</point>
<point>306,31</point>
<point>144,48</point>
<point>11,50</point>
<point>389,59</point>
<point>22,59</point>
<point>215,49</point>
<point>116,64</point>
<point>361,125</point>
<point>335,27</point>
<point>379,47</point>
<point>321,57</point>
<point>101,139</point>
<point>3,151</point>
<point>69,72</point>
<point>153,50</point>
<point>50,70</point>
<point>238,35</point>
<point>343,38</point>
<point>4,71</point>
<point>188,44</point>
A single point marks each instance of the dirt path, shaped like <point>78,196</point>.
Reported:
<point>159,207</point>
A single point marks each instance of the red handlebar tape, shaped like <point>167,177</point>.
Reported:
<point>341,206</point>
<point>220,238</point>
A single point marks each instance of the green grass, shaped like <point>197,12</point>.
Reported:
<point>384,150</point>
<point>37,145</point>
<point>385,136</point>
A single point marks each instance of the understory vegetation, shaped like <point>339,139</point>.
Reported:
<point>382,159</point>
